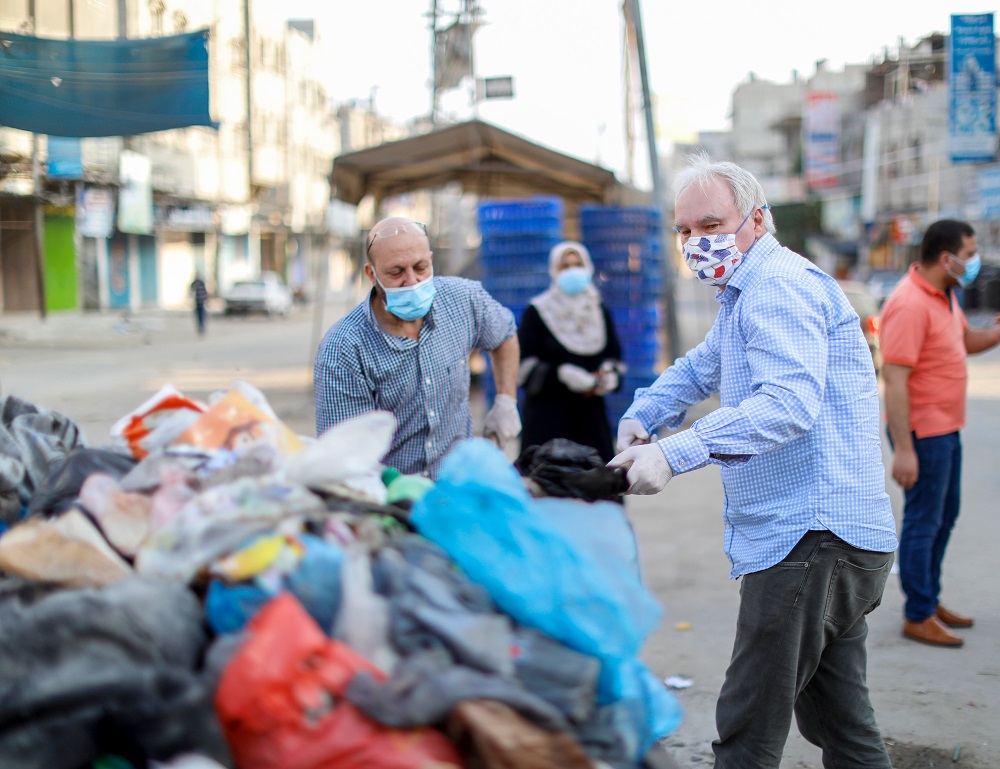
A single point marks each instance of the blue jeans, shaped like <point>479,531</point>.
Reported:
<point>800,648</point>
<point>929,514</point>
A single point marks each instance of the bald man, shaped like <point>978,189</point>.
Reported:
<point>406,349</point>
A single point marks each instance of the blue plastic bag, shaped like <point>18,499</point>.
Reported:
<point>315,582</point>
<point>563,567</point>
<point>555,564</point>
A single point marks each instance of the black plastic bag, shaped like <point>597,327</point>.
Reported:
<point>563,468</point>
<point>60,490</point>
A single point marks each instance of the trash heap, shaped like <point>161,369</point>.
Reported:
<point>212,590</point>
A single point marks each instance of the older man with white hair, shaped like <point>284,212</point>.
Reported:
<point>808,525</point>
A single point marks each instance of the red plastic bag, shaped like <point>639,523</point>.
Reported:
<point>280,703</point>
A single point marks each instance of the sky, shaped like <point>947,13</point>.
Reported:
<point>568,67</point>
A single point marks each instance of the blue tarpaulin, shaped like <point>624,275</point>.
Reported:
<point>104,87</point>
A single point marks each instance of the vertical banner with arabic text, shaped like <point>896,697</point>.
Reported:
<point>972,84</point>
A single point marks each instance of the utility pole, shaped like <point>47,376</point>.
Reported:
<point>472,10</point>
<point>670,307</point>
<point>37,188</point>
<point>434,62</point>
<point>248,94</point>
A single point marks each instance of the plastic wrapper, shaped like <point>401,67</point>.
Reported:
<point>234,423</point>
<point>137,430</point>
<point>346,458</point>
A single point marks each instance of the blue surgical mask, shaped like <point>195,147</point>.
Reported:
<point>970,273</point>
<point>573,280</point>
<point>409,302</point>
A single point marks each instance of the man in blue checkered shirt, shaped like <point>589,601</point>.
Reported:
<point>406,347</point>
<point>808,524</point>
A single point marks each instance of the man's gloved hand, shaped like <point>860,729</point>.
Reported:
<point>575,378</point>
<point>502,423</point>
<point>631,433</point>
<point>647,470</point>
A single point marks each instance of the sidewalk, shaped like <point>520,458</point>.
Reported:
<point>87,329</point>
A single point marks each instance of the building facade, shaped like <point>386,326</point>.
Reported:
<point>251,195</point>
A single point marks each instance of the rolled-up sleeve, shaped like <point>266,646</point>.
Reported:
<point>494,323</point>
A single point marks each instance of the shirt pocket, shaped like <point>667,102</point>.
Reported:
<point>456,381</point>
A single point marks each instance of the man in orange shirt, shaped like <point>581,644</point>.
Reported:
<point>925,340</point>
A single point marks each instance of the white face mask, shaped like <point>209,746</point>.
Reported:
<point>713,259</point>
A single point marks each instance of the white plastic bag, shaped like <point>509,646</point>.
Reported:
<point>346,458</point>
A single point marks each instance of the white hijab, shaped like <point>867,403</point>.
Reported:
<point>575,321</point>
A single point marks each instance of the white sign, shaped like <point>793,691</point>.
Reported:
<point>95,211</point>
<point>135,198</point>
<point>496,87</point>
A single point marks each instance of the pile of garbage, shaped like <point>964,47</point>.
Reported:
<point>211,590</point>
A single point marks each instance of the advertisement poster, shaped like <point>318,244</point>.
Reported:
<point>972,98</point>
<point>822,139</point>
<point>135,198</point>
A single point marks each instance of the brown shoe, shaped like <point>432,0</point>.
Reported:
<point>953,620</point>
<point>931,631</point>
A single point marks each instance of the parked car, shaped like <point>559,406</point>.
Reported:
<point>267,294</point>
<point>881,283</point>
<point>866,305</point>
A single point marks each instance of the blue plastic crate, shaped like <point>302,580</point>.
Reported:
<point>548,226</point>
<point>634,313</point>
<point>515,286</point>
<point>530,244</point>
<point>510,298</point>
<point>495,268</point>
<point>526,260</point>
<point>540,215</point>
<point>517,208</point>
<point>616,403</point>
<point>619,234</point>
<point>619,216</point>
<point>632,382</point>
<point>625,296</point>
<point>629,253</point>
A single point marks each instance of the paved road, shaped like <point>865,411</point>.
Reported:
<point>928,700</point>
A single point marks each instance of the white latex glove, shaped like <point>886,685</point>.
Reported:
<point>502,423</point>
<point>647,469</point>
<point>631,433</point>
<point>607,382</point>
<point>575,378</point>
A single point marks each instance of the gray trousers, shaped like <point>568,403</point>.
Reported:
<point>800,648</point>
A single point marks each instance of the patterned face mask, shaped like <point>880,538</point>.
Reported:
<point>713,259</point>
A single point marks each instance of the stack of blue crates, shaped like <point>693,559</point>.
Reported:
<point>517,236</point>
<point>626,245</point>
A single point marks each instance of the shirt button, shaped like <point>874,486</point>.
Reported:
<point>427,380</point>
<point>430,443</point>
<point>430,413</point>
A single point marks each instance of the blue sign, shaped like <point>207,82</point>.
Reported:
<point>972,82</point>
<point>989,193</point>
<point>65,161</point>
